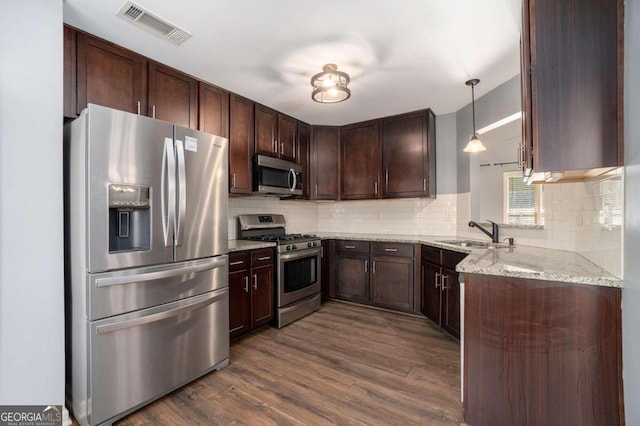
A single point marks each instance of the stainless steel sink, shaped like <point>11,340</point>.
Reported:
<point>473,244</point>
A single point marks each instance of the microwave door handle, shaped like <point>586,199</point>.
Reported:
<point>182,192</point>
<point>295,179</point>
<point>168,191</point>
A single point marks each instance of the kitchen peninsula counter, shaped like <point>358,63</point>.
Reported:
<point>518,261</point>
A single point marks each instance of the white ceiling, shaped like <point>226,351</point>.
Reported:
<point>402,55</point>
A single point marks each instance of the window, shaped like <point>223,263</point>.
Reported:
<point>522,203</point>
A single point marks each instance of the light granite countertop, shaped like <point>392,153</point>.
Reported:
<point>240,245</point>
<point>517,261</point>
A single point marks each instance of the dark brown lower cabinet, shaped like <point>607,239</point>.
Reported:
<point>541,353</point>
<point>250,290</point>
<point>441,288</point>
<point>375,273</point>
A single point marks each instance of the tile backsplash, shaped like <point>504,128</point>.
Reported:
<point>582,217</point>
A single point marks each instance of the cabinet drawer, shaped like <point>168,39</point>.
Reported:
<point>393,249</point>
<point>353,246</point>
<point>451,258</point>
<point>239,261</point>
<point>261,258</point>
<point>431,254</point>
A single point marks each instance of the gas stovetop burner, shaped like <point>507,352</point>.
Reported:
<point>283,239</point>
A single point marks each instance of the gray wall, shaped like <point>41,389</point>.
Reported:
<point>499,103</point>
<point>31,249</point>
<point>631,292</point>
<point>446,154</point>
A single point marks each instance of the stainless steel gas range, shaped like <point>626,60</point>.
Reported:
<point>298,260</point>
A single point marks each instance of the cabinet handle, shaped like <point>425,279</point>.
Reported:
<point>246,284</point>
<point>281,148</point>
<point>264,258</point>
<point>255,281</point>
<point>138,107</point>
<point>316,189</point>
<point>386,178</point>
<point>444,282</point>
<point>437,279</point>
<point>275,146</point>
<point>349,247</point>
<point>375,187</point>
<point>374,266</point>
<point>153,113</point>
<point>238,262</point>
<point>233,180</point>
<point>366,266</point>
<point>424,184</point>
<point>391,249</point>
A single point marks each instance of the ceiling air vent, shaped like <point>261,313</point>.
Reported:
<point>141,17</point>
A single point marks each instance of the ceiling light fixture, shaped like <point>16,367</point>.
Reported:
<point>330,85</point>
<point>474,145</point>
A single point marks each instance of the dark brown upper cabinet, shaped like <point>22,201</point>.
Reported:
<point>213,110</point>
<point>69,74</point>
<point>324,163</point>
<point>241,138</point>
<point>572,84</point>
<point>275,133</point>
<point>360,160</point>
<point>408,155</point>
<point>302,158</point>
<point>173,96</point>
<point>109,75</point>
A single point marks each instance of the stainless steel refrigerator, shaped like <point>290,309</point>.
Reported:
<point>146,260</point>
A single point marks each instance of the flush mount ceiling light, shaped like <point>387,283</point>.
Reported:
<point>474,144</point>
<point>330,85</point>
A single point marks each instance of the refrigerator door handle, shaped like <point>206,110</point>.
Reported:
<point>182,192</point>
<point>157,275</point>
<point>197,303</point>
<point>168,191</point>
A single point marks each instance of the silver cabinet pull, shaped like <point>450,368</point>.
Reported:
<point>444,282</point>
<point>316,189</point>
<point>424,184</point>
<point>391,249</point>
<point>366,266</point>
<point>275,146</point>
<point>374,266</point>
<point>375,187</point>
<point>246,284</point>
<point>238,262</point>
<point>233,180</point>
<point>386,178</point>
<point>264,258</point>
<point>255,281</point>
<point>138,107</point>
<point>437,279</point>
<point>281,148</point>
<point>153,112</point>
<point>349,247</point>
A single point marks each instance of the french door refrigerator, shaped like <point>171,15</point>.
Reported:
<point>146,260</point>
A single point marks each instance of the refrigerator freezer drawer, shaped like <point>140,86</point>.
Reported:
<point>141,356</point>
<point>115,293</point>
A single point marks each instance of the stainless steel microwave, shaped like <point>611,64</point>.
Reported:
<point>275,176</point>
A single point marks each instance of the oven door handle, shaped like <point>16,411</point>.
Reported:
<point>301,254</point>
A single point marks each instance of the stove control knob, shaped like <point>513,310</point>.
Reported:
<point>311,244</point>
<point>293,247</point>
<point>288,248</point>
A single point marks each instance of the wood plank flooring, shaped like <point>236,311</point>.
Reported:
<point>345,364</point>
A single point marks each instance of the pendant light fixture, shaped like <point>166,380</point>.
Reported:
<point>474,145</point>
<point>330,85</point>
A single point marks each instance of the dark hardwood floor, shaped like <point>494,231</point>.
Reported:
<point>344,364</point>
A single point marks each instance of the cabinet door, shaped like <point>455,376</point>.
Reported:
<point>324,162</point>
<point>262,295</point>
<point>392,282</point>
<point>287,137</point>
<point>406,153</point>
<point>239,303</point>
<point>302,158</point>
<point>431,293</point>
<point>266,123</point>
<point>328,289</point>
<point>110,76</point>
<point>240,145</point>
<point>173,96</point>
<point>360,161</point>
<point>69,74</point>
<point>213,110</point>
<point>575,69</point>
<point>451,302</point>
<point>352,275</point>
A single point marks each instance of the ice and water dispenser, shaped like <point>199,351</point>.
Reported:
<point>129,218</point>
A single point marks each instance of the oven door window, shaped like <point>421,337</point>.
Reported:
<point>300,273</point>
